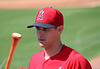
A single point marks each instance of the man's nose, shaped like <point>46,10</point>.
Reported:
<point>40,32</point>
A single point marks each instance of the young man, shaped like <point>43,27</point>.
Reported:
<point>55,55</point>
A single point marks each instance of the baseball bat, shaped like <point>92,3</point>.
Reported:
<point>15,39</point>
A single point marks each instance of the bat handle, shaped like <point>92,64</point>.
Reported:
<point>13,47</point>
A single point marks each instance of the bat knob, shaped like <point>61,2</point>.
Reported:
<point>16,36</point>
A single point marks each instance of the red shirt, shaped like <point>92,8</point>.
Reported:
<point>67,58</point>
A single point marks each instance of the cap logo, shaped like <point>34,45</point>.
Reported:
<point>40,16</point>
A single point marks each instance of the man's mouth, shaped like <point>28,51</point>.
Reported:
<point>41,40</point>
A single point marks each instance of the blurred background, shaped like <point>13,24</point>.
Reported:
<point>81,28</point>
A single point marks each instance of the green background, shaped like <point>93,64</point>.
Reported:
<point>81,32</point>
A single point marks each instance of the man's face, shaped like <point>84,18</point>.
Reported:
<point>46,36</point>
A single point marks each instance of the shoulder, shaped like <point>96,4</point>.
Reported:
<point>75,56</point>
<point>79,62</point>
<point>76,60</point>
<point>36,59</point>
<point>38,55</point>
<point>72,53</point>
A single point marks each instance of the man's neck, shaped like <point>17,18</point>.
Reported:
<point>52,50</point>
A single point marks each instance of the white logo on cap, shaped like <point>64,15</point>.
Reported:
<point>40,16</point>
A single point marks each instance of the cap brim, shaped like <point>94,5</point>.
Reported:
<point>44,25</point>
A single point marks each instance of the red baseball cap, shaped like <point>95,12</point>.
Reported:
<point>47,18</point>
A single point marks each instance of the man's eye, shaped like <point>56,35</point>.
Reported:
<point>44,29</point>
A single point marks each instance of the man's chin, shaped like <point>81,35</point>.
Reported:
<point>42,45</point>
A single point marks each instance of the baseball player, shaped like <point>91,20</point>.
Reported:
<point>49,24</point>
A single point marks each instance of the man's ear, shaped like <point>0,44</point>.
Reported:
<point>60,29</point>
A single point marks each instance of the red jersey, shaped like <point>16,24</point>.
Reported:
<point>67,58</point>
